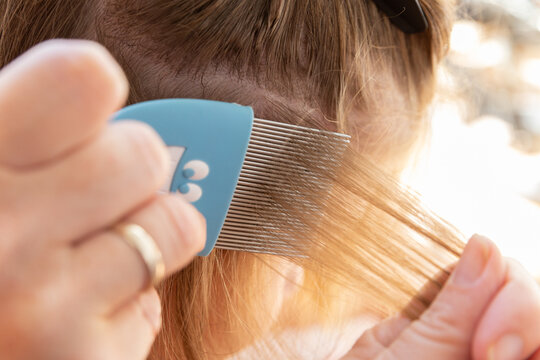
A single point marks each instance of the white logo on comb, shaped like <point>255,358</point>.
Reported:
<point>193,170</point>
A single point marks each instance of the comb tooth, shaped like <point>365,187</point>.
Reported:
<point>231,239</point>
<point>283,251</point>
<point>285,194</point>
<point>271,158</point>
<point>315,151</point>
<point>285,169</point>
<point>269,215</point>
<point>263,247</point>
<point>237,218</point>
<point>268,187</point>
<point>255,221</point>
<point>248,192</point>
<point>260,250</point>
<point>236,209</point>
<point>241,226</point>
<point>240,198</point>
<point>268,242</point>
<point>288,155</point>
<point>253,239</point>
<point>235,225</point>
<point>256,198</point>
<point>274,250</point>
<point>302,129</point>
<point>280,135</point>
<point>254,181</point>
<point>279,129</point>
<point>288,145</point>
<point>256,204</point>
<point>269,201</point>
<point>261,186</point>
<point>274,228</point>
<point>299,128</point>
<point>250,170</point>
<point>294,146</point>
<point>275,135</point>
<point>241,221</point>
<point>258,210</point>
<point>268,137</point>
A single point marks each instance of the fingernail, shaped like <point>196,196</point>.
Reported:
<point>508,347</point>
<point>473,261</point>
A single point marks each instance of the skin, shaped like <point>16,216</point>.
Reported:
<point>486,298</point>
<point>73,289</point>
<point>76,290</point>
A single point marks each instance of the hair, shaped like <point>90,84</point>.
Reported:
<point>320,63</point>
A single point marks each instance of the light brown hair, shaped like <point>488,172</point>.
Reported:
<point>315,62</point>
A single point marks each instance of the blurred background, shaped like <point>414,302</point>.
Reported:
<point>481,169</point>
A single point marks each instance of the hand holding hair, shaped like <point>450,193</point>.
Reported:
<point>489,309</point>
<point>73,287</point>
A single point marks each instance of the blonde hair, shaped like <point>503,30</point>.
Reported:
<point>336,59</point>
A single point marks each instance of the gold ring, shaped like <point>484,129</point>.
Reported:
<point>145,245</point>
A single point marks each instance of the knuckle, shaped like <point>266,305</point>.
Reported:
<point>441,329</point>
<point>440,321</point>
<point>55,287</point>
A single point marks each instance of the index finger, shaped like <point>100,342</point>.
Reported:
<point>54,98</point>
<point>116,273</point>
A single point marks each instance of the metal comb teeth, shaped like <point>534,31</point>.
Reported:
<point>284,164</point>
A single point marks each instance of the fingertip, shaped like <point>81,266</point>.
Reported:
<point>179,228</point>
<point>75,65</point>
<point>88,62</point>
<point>101,62</point>
<point>473,261</point>
<point>190,223</point>
<point>55,98</point>
<point>147,146</point>
<point>483,242</point>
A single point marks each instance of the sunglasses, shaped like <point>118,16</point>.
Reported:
<point>407,15</point>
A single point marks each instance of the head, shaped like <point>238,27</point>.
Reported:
<point>337,65</point>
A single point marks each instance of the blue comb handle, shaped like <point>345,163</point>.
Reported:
<point>215,136</point>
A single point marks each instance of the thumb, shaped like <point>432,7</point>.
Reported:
<point>445,330</point>
<point>54,98</point>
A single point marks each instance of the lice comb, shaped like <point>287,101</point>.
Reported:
<point>238,170</point>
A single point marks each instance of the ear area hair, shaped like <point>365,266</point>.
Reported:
<point>407,15</point>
